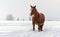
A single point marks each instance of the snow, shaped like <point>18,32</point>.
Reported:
<point>24,29</point>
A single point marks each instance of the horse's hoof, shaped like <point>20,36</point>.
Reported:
<point>33,30</point>
<point>40,30</point>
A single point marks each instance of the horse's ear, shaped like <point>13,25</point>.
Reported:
<point>30,5</point>
<point>35,5</point>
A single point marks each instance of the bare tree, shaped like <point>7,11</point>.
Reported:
<point>17,19</point>
<point>23,19</point>
<point>10,17</point>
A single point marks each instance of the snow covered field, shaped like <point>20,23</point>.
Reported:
<point>24,29</point>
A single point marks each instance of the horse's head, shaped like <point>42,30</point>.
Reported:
<point>33,10</point>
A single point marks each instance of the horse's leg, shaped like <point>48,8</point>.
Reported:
<point>41,27</point>
<point>33,27</point>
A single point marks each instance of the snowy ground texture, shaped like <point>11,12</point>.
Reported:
<point>24,29</point>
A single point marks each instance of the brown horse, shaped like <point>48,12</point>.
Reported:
<point>37,18</point>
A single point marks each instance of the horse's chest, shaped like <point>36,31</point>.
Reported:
<point>36,19</point>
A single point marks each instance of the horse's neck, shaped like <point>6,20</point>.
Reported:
<point>37,15</point>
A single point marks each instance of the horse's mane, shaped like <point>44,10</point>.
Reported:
<point>37,14</point>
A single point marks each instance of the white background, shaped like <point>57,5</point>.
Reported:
<point>21,8</point>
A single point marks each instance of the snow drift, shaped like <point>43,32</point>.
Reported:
<point>24,29</point>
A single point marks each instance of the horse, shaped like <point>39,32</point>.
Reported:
<point>37,18</point>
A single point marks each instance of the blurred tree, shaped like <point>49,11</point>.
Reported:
<point>23,19</point>
<point>17,19</point>
<point>10,17</point>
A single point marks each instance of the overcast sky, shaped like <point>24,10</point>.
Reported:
<point>21,8</point>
